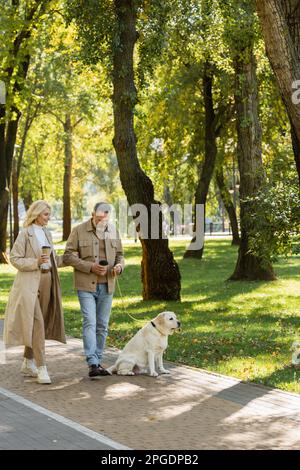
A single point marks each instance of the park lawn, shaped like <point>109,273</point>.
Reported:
<point>241,329</point>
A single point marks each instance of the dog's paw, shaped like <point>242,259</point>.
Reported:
<point>125,372</point>
<point>153,374</point>
<point>164,371</point>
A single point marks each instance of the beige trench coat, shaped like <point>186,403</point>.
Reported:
<point>19,313</point>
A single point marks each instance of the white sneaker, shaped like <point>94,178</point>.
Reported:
<point>29,368</point>
<point>43,377</point>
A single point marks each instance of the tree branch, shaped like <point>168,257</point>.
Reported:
<point>77,122</point>
<point>56,116</point>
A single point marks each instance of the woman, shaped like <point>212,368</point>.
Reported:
<point>34,311</point>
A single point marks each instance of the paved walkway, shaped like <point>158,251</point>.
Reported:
<point>26,426</point>
<point>188,410</point>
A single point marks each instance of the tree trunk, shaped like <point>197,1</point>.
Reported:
<point>4,201</point>
<point>4,193</point>
<point>39,173</point>
<point>210,153</point>
<point>296,149</point>
<point>167,196</point>
<point>17,164</point>
<point>248,267</point>
<point>15,75</point>
<point>6,157</point>
<point>27,199</point>
<point>8,137</point>
<point>228,204</point>
<point>160,272</point>
<point>15,197</point>
<point>280,22</point>
<point>291,10</point>
<point>67,178</point>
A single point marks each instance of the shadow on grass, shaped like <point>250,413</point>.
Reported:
<point>283,377</point>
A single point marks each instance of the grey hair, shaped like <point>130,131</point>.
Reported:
<point>103,206</point>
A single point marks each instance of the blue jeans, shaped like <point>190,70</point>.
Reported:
<point>95,309</point>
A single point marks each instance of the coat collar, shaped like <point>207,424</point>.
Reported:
<point>89,226</point>
<point>34,241</point>
<point>48,236</point>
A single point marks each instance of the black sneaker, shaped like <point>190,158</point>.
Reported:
<point>97,371</point>
<point>94,372</point>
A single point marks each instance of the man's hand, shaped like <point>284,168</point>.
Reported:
<point>99,270</point>
<point>116,270</point>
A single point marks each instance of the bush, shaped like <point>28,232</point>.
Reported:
<point>277,212</point>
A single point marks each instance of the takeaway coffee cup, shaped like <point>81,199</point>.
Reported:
<point>103,263</point>
<point>45,267</point>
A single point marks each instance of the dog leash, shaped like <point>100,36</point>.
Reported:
<point>122,303</point>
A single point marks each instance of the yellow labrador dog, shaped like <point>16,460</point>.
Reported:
<point>145,350</point>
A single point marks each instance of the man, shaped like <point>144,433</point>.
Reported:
<point>91,242</point>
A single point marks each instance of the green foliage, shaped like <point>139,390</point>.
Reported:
<point>240,27</point>
<point>19,25</point>
<point>170,117</point>
<point>97,28</point>
<point>277,222</point>
<point>71,69</point>
<point>96,23</point>
<point>152,18</point>
<point>60,85</point>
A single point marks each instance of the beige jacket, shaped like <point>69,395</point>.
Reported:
<point>19,313</point>
<point>82,251</point>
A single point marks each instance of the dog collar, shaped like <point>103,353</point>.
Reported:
<point>153,324</point>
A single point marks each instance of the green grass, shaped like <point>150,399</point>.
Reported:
<point>242,329</point>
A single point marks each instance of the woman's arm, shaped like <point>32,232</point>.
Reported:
<point>59,260</point>
<point>17,255</point>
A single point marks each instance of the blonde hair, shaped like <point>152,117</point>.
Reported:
<point>34,211</point>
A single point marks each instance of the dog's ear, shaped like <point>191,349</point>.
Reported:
<point>159,320</point>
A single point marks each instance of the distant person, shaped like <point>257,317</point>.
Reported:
<point>34,311</point>
<point>95,251</point>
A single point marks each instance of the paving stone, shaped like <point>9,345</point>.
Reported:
<point>23,428</point>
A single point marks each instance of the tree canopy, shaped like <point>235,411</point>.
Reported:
<point>189,68</point>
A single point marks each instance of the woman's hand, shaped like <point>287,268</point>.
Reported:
<point>43,259</point>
